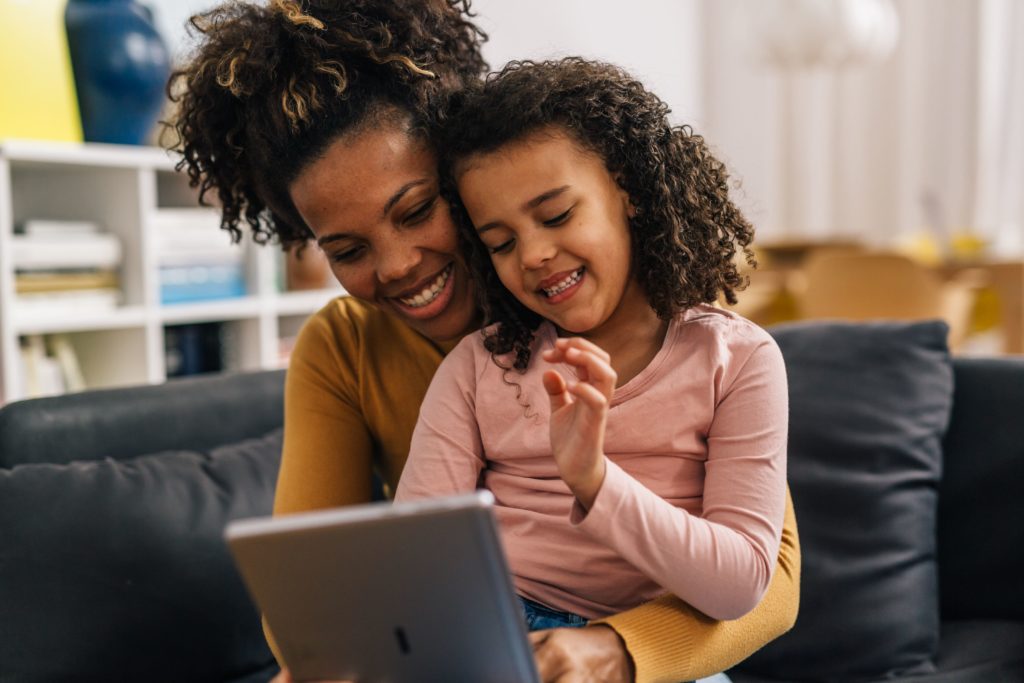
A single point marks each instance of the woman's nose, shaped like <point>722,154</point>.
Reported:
<point>397,261</point>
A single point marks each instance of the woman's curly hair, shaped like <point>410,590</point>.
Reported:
<point>686,231</point>
<point>271,85</point>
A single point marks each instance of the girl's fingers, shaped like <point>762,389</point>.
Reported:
<point>589,395</point>
<point>557,389</point>
<point>592,369</point>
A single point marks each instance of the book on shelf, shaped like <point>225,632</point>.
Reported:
<point>197,260</point>
<point>32,282</point>
<point>201,282</point>
<point>65,267</point>
<point>71,251</point>
<point>68,302</point>
<point>47,227</point>
<point>49,366</point>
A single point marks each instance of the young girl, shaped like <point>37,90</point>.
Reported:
<point>634,435</point>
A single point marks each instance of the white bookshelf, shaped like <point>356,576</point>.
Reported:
<point>124,189</point>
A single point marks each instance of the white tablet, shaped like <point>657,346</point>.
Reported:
<point>395,593</point>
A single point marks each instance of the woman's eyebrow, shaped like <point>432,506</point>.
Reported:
<point>530,204</point>
<point>334,237</point>
<point>390,203</point>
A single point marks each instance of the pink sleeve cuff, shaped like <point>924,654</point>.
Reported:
<point>609,498</point>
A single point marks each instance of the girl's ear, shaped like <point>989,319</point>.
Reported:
<point>630,207</point>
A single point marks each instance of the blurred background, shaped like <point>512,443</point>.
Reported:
<point>851,126</point>
<point>876,145</point>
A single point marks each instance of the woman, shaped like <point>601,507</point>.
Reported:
<point>312,120</point>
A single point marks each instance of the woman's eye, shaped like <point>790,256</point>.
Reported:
<point>558,220</point>
<point>421,212</point>
<point>501,248</point>
<point>346,255</point>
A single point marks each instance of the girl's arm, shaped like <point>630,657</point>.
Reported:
<point>669,641</point>
<point>446,454</point>
<point>723,561</point>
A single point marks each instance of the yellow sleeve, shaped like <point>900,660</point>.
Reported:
<point>327,459</point>
<point>670,641</point>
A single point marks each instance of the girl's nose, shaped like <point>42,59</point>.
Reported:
<point>535,251</point>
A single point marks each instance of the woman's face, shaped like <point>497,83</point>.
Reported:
<point>373,203</point>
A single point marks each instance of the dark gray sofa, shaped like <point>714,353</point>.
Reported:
<point>112,504</point>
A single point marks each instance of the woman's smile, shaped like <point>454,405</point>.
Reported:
<point>427,300</point>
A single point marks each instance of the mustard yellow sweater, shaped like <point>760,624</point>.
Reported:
<point>355,383</point>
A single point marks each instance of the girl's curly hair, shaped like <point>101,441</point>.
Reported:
<point>271,85</point>
<point>686,231</point>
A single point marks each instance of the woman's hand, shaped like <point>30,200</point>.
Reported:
<point>285,677</point>
<point>593,654</point>
<point>579,412</point>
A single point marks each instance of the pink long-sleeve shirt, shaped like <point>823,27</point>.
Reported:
<point>694,495</point>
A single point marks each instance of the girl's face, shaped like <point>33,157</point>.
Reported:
<point>373,203</point>
<point>556,224</point>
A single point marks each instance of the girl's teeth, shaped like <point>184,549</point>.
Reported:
<point>564,284</point>
<point>429,293</point>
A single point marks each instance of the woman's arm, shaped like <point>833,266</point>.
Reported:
<point>327,460</point>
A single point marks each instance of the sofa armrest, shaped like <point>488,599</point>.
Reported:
<point>195,413</point>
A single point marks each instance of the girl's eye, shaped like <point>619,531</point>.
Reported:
<point>346,255</point>
<point>501,248</point>
<point>558,220</point>
<point>421,212</point>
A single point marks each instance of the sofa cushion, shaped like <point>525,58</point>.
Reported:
<point>969,652</point>
<point>117,570</point>
<point>981,509</point>
<point>869,404</point>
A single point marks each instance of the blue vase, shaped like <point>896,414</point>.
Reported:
<point>121,66</point>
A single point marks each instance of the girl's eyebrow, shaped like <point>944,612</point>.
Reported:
<point>530,204</point>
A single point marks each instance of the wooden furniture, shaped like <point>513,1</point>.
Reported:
<point>883,286</point>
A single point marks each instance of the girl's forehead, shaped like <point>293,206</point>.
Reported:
<point>529,148</point>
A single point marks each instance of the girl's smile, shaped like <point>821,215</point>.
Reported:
<point>560,287</point>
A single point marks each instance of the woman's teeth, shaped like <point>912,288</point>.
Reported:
<point>429,292</point>
<point>565,284</point>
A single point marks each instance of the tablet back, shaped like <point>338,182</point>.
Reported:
<point>386,592</point>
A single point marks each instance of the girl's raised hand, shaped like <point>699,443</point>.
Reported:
<point>579,411</point>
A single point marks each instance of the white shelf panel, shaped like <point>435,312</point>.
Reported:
<point>211,311</point>
<point>87,154</point>
<point>304,302</point>
<point>25,322</point>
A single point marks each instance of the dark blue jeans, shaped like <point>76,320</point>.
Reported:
<point>540,617</point>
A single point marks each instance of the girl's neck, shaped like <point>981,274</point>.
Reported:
<point>632,336</point>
